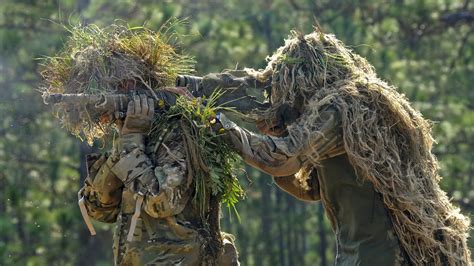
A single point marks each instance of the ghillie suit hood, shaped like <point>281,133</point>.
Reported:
<point>108,60</point>
<point>387,141</point>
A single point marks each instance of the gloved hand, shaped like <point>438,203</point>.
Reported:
<point>139,115</point>
<point>134,168</point>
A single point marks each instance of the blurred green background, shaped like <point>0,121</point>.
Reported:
<point>424,47</point>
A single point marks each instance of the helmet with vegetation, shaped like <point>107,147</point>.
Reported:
<point>113,59</point>
<point>119,59</point>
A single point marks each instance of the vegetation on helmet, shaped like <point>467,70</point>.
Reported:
<point>108,60</point>
<point>119,59</point>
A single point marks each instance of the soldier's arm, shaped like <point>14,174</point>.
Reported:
<point>163,187</point>
<point>173,195</point>
<point>175,180</point>
<point>133,166</point>
<point>284,156</point>
<point>291,185</point>
<point>102,190</point>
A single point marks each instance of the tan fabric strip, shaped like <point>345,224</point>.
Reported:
<point>85,216</point>
<point>133,224</point>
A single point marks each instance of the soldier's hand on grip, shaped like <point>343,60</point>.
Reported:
<point>139,115</point>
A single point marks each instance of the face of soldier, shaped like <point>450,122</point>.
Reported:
<point>285,115</point>
<point>109,119</point>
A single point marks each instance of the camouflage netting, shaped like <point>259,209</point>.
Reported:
<point>108,60</point>
<point>387,141</point>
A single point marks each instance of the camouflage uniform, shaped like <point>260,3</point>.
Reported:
<point>364,231</point>
<point>169,229</point>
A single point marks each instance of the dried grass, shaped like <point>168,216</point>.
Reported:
<point>387,141</point>
<point>108,60</point>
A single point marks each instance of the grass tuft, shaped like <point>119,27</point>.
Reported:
<point>112,59</point>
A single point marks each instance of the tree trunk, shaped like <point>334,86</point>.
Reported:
<point>322,236</point>
<point>87,255</point>
<point>282,217</point>
<point>290,229</point>
<point>266,218</point>
<point>302,234</point>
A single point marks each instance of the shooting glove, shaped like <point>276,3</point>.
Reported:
<point>139,115</point>
<point>134,167</point>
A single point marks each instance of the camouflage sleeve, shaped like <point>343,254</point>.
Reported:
<point>134,168</point>
<point>174,182</point>
<point>291,186</point>
<point>102,190</point>
<point>235,79</point>
<point>284,156</point>
<point>163,186</point>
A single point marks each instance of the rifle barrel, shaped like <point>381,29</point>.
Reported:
<point>119,102</point>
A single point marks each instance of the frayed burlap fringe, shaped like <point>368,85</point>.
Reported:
<point>387,141</point>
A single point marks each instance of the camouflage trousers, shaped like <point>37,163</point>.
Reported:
<point>157,242</point>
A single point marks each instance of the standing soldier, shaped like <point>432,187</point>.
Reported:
<point>155,184</point>
<point>336,132</point>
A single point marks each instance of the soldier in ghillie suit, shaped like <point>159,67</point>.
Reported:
<point>163,181</point>
<point>171,229</point>
<point>336,132</point>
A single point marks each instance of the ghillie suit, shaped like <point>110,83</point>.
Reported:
<point>183,170</point>
<point>387,141</point>
<point>115,59</point>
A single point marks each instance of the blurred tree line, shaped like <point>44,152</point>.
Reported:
<point>424,47</point>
